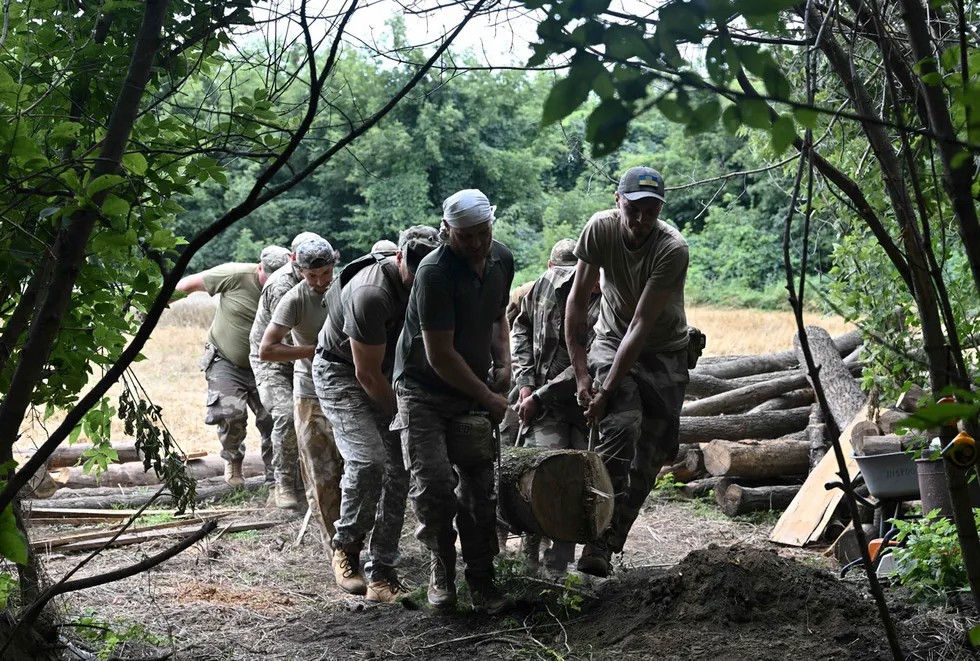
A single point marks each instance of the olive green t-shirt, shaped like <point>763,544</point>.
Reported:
<point>661,263</point>
<point>238,285</point>
<point>302,310</point>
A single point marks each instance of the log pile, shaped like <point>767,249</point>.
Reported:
<point>750,430</point>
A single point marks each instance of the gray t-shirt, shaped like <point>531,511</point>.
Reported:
<point>274,289</point>
<point>302,310</point>
<point>661,262</point>
<point>370,308</point>
<point>448,295</point>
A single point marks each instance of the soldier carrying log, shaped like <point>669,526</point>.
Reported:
<point>631,381</point>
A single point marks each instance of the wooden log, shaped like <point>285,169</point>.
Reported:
<point>753,458</point>
<point>72,455</point>
<point>698,488</point>
<point>771,424</point>
<point>889,420</point>
<point>739,499</point>
<point>844,396</point>
<point>50,543</point>
<point>859,431</point>
<point>688,466</point>
<point>791,400</point>
<point>773,362</point>
<point>908,401</point>
<point>565,495</point>
<point>132,474</point>
<point>744,397</point>
<point>815,435</point>
<point>890,443</point>
<point>206,490</point>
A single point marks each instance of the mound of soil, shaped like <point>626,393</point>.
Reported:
<point>732,602</point>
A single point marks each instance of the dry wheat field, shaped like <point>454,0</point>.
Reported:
<point>171,377</point>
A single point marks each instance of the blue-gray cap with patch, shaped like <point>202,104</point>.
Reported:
<point>642,182</point>
<point>315,254</point>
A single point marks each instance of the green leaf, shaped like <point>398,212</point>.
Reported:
<point>783,133</point>
<point>755,113</point>
<point>13,543</point>
<point>572,91</point>
<point>102,183</point>
<point>135,163</point>
<point>114,206</point>
<point>731,119</point>
<point>606,127</point>
<point>807,117</point>
<point>776,83</point>
<point>974,636</point>
<point>932,78</point>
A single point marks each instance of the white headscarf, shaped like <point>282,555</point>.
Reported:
<point>467,208</point>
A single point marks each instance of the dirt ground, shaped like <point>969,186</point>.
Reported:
<point>691,585</point>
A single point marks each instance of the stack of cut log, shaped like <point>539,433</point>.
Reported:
<point>64,478</point>
<point>750,430</point>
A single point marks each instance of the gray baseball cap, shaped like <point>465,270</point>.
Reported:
<point>273,258</point>
<point>315,254</point>
<point>642,182</point>
<point>416,242</point>
<point>563,253</point>
<point>384,245</point>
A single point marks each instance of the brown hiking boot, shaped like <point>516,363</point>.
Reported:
<point>286,496</point>
<point>594,561</point>
<point>233,473</point>
<point>347,572</point>
<point>487,598</point>
<point>531,550</point>
<point>386,590</point>
<point>442,582</point>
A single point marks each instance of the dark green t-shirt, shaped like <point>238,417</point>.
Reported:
<point>239,287</point>
<point>448,295</point>
<point>370,308</point>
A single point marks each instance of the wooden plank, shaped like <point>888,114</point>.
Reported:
<point>137,538</point>
<point>808,515</point>
<point>73,513</point>
<point>64,540</point>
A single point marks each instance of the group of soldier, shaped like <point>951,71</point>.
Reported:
<point>388,379</point>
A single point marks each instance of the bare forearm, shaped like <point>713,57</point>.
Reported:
<point>282,353</point>
<point>577,338</point>
<point>626,356</point>
<point>379,390</point>
<point>500,345</point>
<point>452,369</point>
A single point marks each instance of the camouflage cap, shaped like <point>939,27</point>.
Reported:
<point>273,258</point>
<point>416,242</point>
<point>563,253</point>
<point>315,254</point>
<point>302,237</point>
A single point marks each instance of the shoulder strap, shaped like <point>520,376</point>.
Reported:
<point>360,264</point>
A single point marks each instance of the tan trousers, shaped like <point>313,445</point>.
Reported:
<point>321,466</point>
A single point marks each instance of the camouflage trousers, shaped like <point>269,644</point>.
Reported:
<point>558,428</point>
<point>374,489</point>
<point>231,392</point>
<point>440,491</point>
<point>321,466</point>
<point>640,430</point>
<point>276,393</point>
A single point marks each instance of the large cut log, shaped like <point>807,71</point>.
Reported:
<point>207,490</point>
<point>791,400</point>
<point>773,362</point>
<point>771,424</point>
<point>565,495</point>
<point>133,474</point>
<point>890,443</point>
<point>753,458</point>
<point>844,396</point>
<point>738,499</point>
<point>745,397</point>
